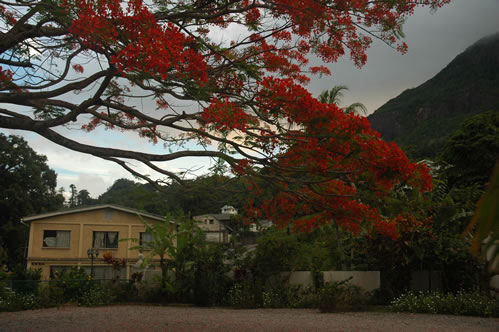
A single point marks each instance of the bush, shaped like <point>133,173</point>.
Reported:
<point>122,291</point>
<point>243,295</point>
<point>24,280</point>
<point>341,296</point>
<point>96,296</point>
<point>74,283</point>
<point>152,293</point>
<point>303,297</point>
<point>273,299</point>
<point>51,295</point>
<point>461,303</point>
<point>12,301</point>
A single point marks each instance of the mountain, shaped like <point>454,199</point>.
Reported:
<point>421,119</point>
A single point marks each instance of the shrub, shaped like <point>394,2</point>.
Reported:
<point>250,294</point>
<point>74,283</point>
<point>243,295</point>
<point>122,291</point>
<point>461,303</point>
<point>51,295</point>
<point>303,297</point>
<point>152,293</point>
<point>24,280</point>
<point>272,299</point>
<point>96,296</point>
<point>341,296</point>
<point>12,301</point>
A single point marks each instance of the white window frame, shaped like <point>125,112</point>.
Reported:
<point>106,244</point>
<point>144,243</point>
<point>62,239</point>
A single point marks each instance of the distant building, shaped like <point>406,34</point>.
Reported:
<point>230,210</point>
<point>215,225</point>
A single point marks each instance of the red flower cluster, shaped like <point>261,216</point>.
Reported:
<point>5,77</point>
<point>140,43</point>
<point>117,263</point>
<point>226,115</point>
<point>325,156</point>
<point>78,68</point>
<point>8,15</point>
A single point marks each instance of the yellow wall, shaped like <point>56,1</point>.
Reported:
<point>82,225</point>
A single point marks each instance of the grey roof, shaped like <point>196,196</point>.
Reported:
<point>218,216</point>
<point>94,207</point>
<point>222,216</point>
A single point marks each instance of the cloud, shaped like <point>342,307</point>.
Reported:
<point>434,39</point>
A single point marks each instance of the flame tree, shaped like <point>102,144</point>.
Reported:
<point>86,62</point>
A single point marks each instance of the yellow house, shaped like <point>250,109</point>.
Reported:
<point>61,239</point>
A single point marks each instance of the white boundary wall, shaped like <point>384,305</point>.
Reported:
<point>367,280</point>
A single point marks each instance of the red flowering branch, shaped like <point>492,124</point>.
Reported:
<point>173,72</point>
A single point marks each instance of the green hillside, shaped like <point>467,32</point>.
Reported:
<point>421,119</point>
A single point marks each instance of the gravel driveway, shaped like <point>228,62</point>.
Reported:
<point>158,318</point>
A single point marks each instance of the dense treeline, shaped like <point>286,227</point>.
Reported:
<point>203,195</point>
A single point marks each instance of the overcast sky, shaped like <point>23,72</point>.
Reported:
<point>433,39</point>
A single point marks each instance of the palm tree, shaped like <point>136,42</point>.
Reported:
<point>334,96</point>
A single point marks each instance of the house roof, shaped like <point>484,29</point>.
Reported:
<point>92,208</point>
<point>220,217</point>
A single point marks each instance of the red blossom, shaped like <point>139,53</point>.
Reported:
<point>225,115</point>
<point>331,144</point>
<point>5,77</point>
<point>78,68</point>
<point>156,49</point>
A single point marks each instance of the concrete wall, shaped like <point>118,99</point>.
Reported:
<point>367,280</point>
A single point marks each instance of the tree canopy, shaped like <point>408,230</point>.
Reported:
<point>241,64</point>
<point>472,150</point>
<point>27,186</point>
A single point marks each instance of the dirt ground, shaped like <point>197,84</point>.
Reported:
<point>170,318</point>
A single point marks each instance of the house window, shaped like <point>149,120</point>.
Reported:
<point>105,240</point>
<point>56,239</point>
<point>145,239</point>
